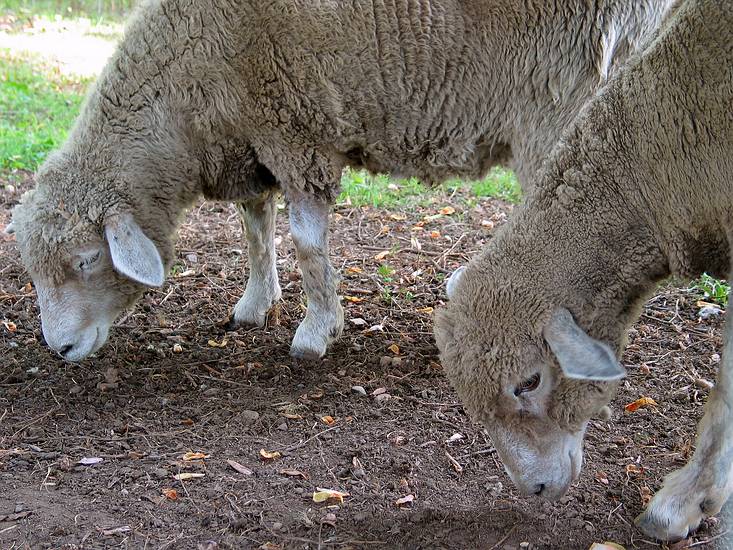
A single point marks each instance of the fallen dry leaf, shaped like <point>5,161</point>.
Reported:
<point>353,299</point>
<point>88,461</point>
<point>323,495</point>
<point>269,455</point>
<point>316,394</point>
<point>427,310</point>
<point>241,469</point>
<point>398,217</point>
<point>634,469</point>
<point>269,546</point>
<point>195,456</point>
<point>177,348</point>
<point>641,402</point>
<point>10,326</point>
<point>293,473</point>
<point>170,494</point>
<point>435,234</point>
<point>291,416</point>
<point>382,255</point>
<point>187,475</point>
<point>447,211</point>
<point>394,348</point>
<point>646,495</point>
<point>354,269</point>
<point>117,530</point>
<point>358,322</point>
<point>602,477</point>
<point>187,422</point>
<point>404,500</point>
<point>215,344</point>
<point>328,420</point>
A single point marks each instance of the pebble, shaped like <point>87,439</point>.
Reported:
<point>283,426</point>
<point>211,392</point>
<point>359,389</point>
<point>524,545</point>
<point>277,526</point>
<point>74,390</point>
<point>385,361</point>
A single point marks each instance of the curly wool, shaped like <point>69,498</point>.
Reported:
<point>229,98</point>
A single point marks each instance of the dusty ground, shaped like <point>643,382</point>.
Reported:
<point>139,406</point>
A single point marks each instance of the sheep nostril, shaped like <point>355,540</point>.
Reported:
<point>540,488</point>
<point>66,349</point>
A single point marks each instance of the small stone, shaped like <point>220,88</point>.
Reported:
<point>211,392</point>
<point>19,508</point>
<point>75,390</point>
<point>382,397</point>
<point>385,361</point>
<point>193,258</point>
<point>524,545</point>
<point>283,427</point>
<point>177,348</point>
<point>359,389</point>
<point>277,526</point>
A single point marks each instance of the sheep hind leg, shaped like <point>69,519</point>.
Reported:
<point>701,488</point>
<point>263,289</point>
<point>324,318</point>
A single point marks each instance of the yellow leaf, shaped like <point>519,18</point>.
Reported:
<point>195,456</point>
<point>323,495</point>
<point>187,475</point>
<point>427,310</point>
<point>398,217</point>
<point>215,344</point>
<point>382,255</point>
<point>354,269</point>
<point>404,500</point>
<point>353,299</point>
<point>269,455</point>
<point>641,402</point>
<point>394,348</point>
<point>447,211</point>
<point>328,420</point>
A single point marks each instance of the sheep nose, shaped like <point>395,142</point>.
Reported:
<point>65,349</point>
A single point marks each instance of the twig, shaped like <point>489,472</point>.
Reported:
<point>708,541</point>
<point>502,539</point>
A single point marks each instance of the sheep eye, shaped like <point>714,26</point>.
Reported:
<point>528,385</point>
<point>85,263</point>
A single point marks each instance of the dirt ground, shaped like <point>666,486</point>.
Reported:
<point>88,452</point>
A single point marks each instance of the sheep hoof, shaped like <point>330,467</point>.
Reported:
<point>252,308</point>
<point>679,507</point>
<point>306,354</point>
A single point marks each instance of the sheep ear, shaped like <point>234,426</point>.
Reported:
<point>133,254</point>
<point>453,280</point>
<point>580,356</point>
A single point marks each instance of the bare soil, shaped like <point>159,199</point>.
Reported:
<point>172,380</point>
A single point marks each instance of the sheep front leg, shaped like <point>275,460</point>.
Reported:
<point>324,318</point>
<point>702,487</point>
<point>263,289</point>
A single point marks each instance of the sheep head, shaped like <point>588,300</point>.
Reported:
<point>87,264</point>
<point>528,372</point>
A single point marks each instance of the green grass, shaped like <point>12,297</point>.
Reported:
<point>363,189</point>
<point>713,290</point>
<point>38,106</point>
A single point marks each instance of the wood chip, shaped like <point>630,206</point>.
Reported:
<point>241,469</point>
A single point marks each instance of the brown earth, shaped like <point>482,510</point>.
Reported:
<point>139,406</point>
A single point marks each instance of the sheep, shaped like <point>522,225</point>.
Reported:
<point>640,187</point>
<point>240,100</point>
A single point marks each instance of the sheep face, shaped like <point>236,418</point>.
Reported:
<point>85,273</point>
<point>528,373</point>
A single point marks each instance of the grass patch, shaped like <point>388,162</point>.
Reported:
<point>713,290</point>
<point>363,189</point>
<point>19,10</point>
<point>38,106</point>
